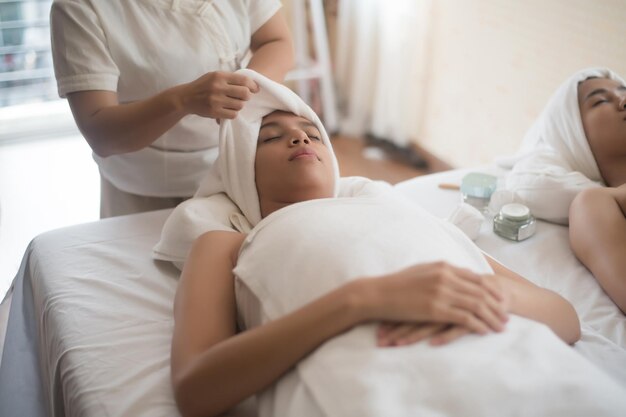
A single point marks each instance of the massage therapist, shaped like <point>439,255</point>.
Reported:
<point>146,81</point>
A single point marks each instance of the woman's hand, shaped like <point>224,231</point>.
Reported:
<point>402,334</point>
<point>438,293</point>
<point>218,95</point>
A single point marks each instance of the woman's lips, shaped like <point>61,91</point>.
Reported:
<point>303,153</point>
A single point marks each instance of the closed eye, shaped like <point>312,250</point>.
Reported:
<point>270,139</point>
<point>597,103</point>
<point>314,137</point>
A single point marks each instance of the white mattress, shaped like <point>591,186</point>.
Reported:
<point>100,312</point>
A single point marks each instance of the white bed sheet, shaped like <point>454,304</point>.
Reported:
<point>545,259</point>
<point>104,312</point>
<point>100,312</point>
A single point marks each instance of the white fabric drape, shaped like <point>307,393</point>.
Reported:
<point>381,56</point>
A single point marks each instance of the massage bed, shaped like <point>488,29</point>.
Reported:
<point>91,315</point>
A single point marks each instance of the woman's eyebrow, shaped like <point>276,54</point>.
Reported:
<point>603,91</point>
<point>269,124</point>
<point>596,92</point>
<point>307,124</point>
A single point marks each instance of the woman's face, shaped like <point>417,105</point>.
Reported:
<point>292,163</point>
<point>602,105</point>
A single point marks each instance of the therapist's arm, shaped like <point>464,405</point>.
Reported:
<point>272,48</point>
<point>111,127</point>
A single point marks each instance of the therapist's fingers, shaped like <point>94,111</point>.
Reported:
<point>244,81</point>
<point>226,114</point>
<point>238,92</point>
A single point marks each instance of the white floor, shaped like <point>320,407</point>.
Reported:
<point>44,185</point>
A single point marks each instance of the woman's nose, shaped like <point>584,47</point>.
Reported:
<point>299,136</point>
<point>622,102</point>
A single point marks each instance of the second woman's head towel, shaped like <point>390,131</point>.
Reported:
<point>560,128</point>
<point>555,161</point>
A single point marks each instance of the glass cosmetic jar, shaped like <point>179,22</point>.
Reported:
<point>477,189</point>
<point>514,222</point>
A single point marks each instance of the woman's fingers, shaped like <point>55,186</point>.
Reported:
<point>484,309</point>
<point>418,333</point>
<point>479,294</point>
<point>448,335</point>
<point>403,334</point>
<point>459,316</point>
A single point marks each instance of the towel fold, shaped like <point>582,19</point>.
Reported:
<point>555,161</point>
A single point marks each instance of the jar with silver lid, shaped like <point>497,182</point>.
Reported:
<point>514,222</point>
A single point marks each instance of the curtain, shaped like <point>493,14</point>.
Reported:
<point>381,63</point>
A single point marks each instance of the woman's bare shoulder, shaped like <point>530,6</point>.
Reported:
<point>220,241</point>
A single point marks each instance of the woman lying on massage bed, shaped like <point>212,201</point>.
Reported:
<point>430,281</point>
<point>330,275</point>
<point>576,171</point>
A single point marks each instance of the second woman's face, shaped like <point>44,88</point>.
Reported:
<point>602,105</point>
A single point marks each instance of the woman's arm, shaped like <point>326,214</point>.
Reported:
<point>531,301</point>
<point>272,48</point>
<point>208,357</point>
<point>597,235</point>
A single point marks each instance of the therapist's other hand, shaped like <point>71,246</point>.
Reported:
<point>218,95</point>
<point>440,293</point>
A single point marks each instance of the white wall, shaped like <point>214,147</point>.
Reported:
<point>493,64</point>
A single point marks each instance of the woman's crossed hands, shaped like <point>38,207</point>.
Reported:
<point>437,301</point>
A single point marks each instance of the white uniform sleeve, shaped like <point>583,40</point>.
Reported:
<point>82,60</point>
<point>260,11</point>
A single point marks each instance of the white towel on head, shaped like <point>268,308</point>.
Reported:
<point>227,198</point>
<point>555,161</point>
<point>233,172</point>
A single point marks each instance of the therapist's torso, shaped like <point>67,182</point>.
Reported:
<point>142,47</point>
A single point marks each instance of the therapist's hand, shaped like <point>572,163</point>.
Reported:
<point>218,95</point>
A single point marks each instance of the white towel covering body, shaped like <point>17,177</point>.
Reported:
<point>301,252</point>
<point>555,161</point>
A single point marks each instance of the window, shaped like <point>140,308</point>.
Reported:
<point>26,74</point>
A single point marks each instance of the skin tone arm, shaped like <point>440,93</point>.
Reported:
<point>208,355</point>
<point>113,128</point>
<point>523,298</point>
<point>598,237</point>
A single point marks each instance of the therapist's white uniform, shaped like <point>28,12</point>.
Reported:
<point>139,48</point>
